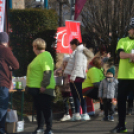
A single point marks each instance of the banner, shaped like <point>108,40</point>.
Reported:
<point>2,14</point>
<point>73,30</point>
<point>63,45</point>
<point>78,7</point>
<point>65,34</point>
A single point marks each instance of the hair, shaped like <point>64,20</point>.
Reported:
<point>95,62</point>
<point>39,43</point>
<point>75,42</point>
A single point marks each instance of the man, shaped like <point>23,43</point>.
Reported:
<point>7,63</point>
<point>125,76</point>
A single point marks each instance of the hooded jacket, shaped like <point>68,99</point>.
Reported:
<point>108,90</point>
<point>77,64</point>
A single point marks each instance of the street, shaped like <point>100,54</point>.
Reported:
<point>95,126</point>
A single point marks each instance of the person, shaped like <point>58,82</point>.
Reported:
<point>76,69</point>
<point>41,85</point>
<point>107,93</point>
<point>125,76</point>
<point>65,90</point>
<point>95,75</point>
<point>7,63</point>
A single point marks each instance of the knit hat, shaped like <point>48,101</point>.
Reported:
<point>66,58</point>
<point>111,70</point>
<point>4,38</point>
<point>129,27</point>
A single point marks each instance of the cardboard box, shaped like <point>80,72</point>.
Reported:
<point>11,127</point>
<point>15,127</point>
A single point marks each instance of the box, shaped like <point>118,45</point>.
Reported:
<point>11,127</point>
<point>14,127</point>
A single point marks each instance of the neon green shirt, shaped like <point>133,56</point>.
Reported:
<point>94,75</point>
<point>126,68</point>
<point>36,68</point>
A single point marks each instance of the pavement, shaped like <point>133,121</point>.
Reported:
<point>94,126</point>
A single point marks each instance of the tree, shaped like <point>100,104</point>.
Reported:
<point>108,16</point>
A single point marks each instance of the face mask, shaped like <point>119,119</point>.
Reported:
<point>110,79</point>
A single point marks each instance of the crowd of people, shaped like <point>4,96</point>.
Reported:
<point>80,80</point>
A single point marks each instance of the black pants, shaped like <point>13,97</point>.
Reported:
<point>108,107</point>
<point>130,99</point>
<point>78,97</point>
<point>66,105</point>
<point>42,104</point>
<point>93,93</point>
<point>124,88</point>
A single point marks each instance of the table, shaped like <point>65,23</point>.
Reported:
<point>22,99</point>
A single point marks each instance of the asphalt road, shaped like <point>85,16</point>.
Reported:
<point>95,126</point>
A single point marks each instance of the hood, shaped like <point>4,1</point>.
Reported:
<point>85,51</point>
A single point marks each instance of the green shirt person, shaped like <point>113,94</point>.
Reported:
<point>95,75</point>
<point>41,85</point>
<point>125,76</point>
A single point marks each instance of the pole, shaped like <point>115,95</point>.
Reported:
<point>46,4</point>
<point>10,4</point>
<point>72,7</point>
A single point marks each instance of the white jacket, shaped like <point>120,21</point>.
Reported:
<point>77,64</point>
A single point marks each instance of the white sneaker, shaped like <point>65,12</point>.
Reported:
<point>65,118</point>
<point>85,117</point>
<point>76,117</point>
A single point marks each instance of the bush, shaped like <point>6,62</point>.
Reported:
<point>28,25</point>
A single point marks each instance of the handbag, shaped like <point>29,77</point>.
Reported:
<point>59,80</point>
<point>12,116</point>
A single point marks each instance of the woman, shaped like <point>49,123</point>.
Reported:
<point>65,90</point>
<point>41,85</point>
<point>94,76</point>
<point>76,69</point>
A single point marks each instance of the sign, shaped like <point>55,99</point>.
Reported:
<point>73,30</point>
<point>65,34</point>
<point>2,14</point>
<point>62,41</point>
<point>20,126</point>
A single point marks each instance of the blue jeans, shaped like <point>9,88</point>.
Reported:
<point>77,95</point>
<point>4,96</point>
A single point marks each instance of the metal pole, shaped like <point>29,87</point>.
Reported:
<point>46,4</point>
<point>10,4</point>
<point>72,7</point>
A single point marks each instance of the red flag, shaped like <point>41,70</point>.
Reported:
<point>78,7</point>
<point>63,45</point>
<point>73,30</point>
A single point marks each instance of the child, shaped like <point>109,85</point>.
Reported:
<point>107,93</point>
<point>66,92</point>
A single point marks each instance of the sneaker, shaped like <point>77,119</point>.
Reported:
<point>38,131</point>
<point>111,118</point>
<point>66,118</point>
<point>76,117</point>
<point>104,119</point>
<point>48,132</point>
<point>85,117</point>
<point>119,129</point>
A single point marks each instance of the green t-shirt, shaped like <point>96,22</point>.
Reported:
<point>126,68</point>
<point>94,75</point>
<point>36,68</point>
